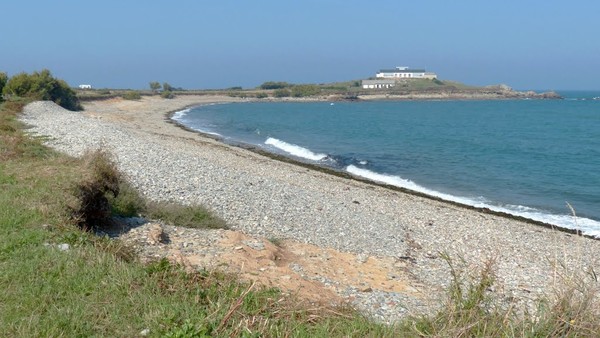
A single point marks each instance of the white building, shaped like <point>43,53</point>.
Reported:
<point>405,73</point>
<point>378,84</point>
<point>85,86</point>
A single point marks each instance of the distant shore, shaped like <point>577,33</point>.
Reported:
<point>263,197</point>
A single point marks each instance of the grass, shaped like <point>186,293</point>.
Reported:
<point>98,287</point>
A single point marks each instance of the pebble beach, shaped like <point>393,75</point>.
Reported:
<point>264,198</point>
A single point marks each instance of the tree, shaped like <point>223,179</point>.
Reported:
<point>42,86</point>
<point>3,81</point>
<point>167,87</point>
<point>155,86</point>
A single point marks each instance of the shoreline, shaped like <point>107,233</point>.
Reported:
<point>346,175</point>
<point>264,198</point>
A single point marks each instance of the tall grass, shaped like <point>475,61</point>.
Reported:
<point>473,309</point>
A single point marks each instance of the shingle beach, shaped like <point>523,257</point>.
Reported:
<point>266,198</point>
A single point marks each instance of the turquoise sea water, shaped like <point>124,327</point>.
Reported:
<point>525,157</point>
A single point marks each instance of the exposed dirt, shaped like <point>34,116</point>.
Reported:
<point>311,273</point>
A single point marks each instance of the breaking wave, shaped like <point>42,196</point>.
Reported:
<point>295,150</point>
<point>587,226</point>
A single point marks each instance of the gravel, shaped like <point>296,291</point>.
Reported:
<point>272,199</point>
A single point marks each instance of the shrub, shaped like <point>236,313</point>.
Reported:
<point>305,90</point>
<point>132,95</point>
<point>185,216</point>
<point>281,93</point>
<point>42,86</point>
<point>167,94</point>
<point>274,85</point>
<point>92,209</point>
<point>261,95</point>
<point>128,203</point>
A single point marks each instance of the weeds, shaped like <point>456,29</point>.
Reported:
<point>278,242</point>
<point>186,216</point>
<point>93,208</point>
<point>472,309</point>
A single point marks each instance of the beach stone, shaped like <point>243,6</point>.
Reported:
<point>63,247</point>
<point>265,198</point>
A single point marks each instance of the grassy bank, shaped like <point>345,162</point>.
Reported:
<point>59,280</point>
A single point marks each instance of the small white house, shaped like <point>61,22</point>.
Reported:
<point>378,84</point>
<point>85,86</point>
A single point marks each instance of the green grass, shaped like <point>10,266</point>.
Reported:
<point>98,288</point>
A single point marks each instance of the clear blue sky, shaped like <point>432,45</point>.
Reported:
<point>217,44</point>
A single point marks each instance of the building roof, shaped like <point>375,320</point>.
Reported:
<point>402,71</point>
<point>373,82</point>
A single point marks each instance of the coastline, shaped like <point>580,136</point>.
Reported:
<point>264,198</point>
<point>347,175</point>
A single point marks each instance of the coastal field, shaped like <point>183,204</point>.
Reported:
<point>320,236</point>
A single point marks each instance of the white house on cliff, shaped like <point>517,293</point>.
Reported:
<point>405,73</point>
<point>386,78</point>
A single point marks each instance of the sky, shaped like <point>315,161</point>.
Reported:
<point>525,44</point>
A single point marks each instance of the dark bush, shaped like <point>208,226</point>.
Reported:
<point>274,85</point>
<point>42,86</point>
<point>93,209</point>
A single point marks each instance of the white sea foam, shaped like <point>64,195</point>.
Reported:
<point>587,226</point>
<point>180,114</point>
<point>295,150</point>
<point>404,183</point>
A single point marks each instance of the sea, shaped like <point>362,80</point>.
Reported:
<point>539,159</point>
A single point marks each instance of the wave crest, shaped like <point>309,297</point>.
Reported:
<point>180,114</point>
<point>295,150</point>
<point>587,226</point>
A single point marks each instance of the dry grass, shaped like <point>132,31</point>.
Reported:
<point>570,309</point>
